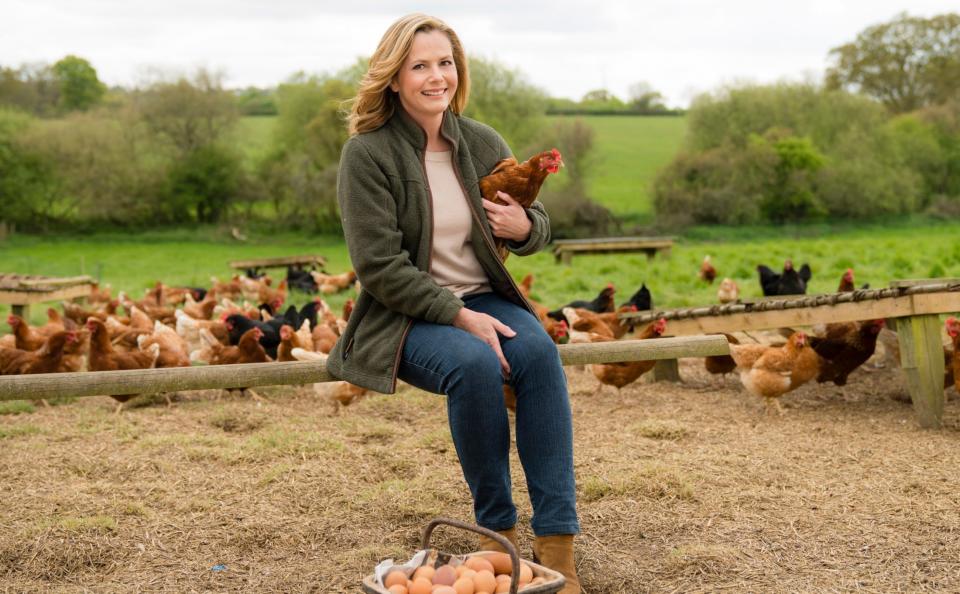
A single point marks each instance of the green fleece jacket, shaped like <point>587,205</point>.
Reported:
<point>387,217</point>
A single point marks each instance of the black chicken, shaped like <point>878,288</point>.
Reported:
<point>238,324</point>
<point>789,282</point>
<point>300,279</point>
<point>602,303</point>
<point>642,299</point>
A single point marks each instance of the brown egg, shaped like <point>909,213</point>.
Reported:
<point>504,578</point>
<point>502,587</point>
<point>424,571</point>
<point>484,581</point>
<point>468,573</point>
<point>394,577</point>
<point>464,586</point>
<point>421,586</point>
<point>441,589</point>
<point>445,575</point>
<point>479,563</point>
<point>526,574</point>
<point>398,589</point>
<point>501,563</point>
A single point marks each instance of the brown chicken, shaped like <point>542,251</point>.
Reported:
<point>526,285</point>
<point>953,369</point>
<point>98,294</point>
<point>846,282</point>
<point>521,181</point>
<point>274,297</point>
<point>707,271</point>
<point>289,340</point>
<point>329,284</point>
<point>79,314</point>
<point>103,357</point>
<point>621,374</point>
<point>232,289</point>
<point>771,372</point>
<point>721,364</point>
<point>173,349</point>
<point>844,347</point>
<point>49,358</point>
<point>248,350</point>
<point>25,337</point>
<point>202,310</point>
<point>728,292</point>
<point>600,323</point>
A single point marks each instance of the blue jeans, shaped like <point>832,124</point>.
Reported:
<point>447,360</point>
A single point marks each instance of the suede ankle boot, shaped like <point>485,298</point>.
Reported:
<point>556,552</point>
<point>488,544</point>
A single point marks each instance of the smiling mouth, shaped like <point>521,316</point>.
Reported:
<point>434,93</point>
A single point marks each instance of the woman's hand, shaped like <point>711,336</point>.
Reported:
<point>508,221</point>
<point>485,327</point>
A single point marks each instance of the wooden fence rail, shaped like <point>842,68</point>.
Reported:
<point>148,381</point>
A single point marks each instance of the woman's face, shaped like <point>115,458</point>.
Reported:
<point>428,78</point>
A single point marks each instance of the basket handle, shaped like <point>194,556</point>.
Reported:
<point>506,544</point>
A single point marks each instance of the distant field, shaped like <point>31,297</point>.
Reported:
<point>877,254</point>
<point>628,151</point>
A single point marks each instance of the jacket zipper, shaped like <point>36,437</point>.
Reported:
<point>406,330</point>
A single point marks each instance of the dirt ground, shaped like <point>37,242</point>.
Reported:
<point>683,488</point>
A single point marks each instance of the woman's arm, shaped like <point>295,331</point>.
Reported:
<point>374,239</point>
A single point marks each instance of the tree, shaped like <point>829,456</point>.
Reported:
<point>907,63</point>
<point>645,99</point>
<point>502,98</point>
<point>80,88</point>
<point>188,114</point>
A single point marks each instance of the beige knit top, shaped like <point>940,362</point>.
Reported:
<point>454,264</point>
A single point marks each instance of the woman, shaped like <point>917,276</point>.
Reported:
<point>438,308</point>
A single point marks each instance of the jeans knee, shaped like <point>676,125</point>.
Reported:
<point>537,349</point>
<point>477,366</point>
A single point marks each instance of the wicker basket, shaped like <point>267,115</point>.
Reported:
<point>554,579</point>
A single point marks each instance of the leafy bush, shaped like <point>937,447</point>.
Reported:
<point>784,153</point>
<point>26,179</point>
<point>202,184</point>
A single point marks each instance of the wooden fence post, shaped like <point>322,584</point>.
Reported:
<point>921,357</point>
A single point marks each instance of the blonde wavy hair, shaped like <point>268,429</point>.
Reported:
<point>375,103</point>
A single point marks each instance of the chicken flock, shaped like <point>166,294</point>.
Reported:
<point>184,326</point>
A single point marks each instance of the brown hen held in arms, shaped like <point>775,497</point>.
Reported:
<point>521,181</point>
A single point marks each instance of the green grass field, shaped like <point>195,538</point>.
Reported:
<point>628,152</point>
<point>877,254</point>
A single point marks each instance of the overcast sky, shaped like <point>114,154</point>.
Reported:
<point>681,47</point>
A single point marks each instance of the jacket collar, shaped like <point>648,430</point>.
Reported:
<point>410,130</point>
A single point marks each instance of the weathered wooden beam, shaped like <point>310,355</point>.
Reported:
<point>56,281</point>
<point>279,261</point>
<point>643,350</point>
<point>921,357</point>
<point>36,296</point>
<point>148,381</point>
<point>890,307</point>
